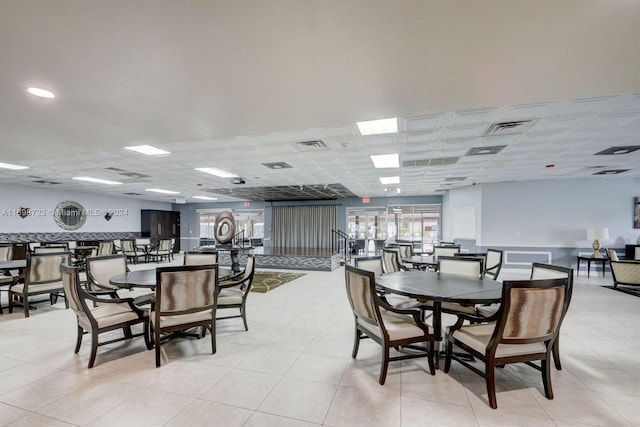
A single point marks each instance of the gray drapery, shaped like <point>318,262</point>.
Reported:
<point>303,226</point>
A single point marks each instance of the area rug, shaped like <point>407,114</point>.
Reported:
<point>265,281</point>
<point>626,290</point>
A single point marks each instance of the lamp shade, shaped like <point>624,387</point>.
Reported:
<point>597,233</point>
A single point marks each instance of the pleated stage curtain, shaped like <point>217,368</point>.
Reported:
<point>303,226</point>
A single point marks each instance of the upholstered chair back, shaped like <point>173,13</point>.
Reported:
<point>445,251</point>
<point>371,263</point>
<point>45,268</point>
<point>70,280</point>
<point>390,260</point>
<point>185,290</point>
<point>360,291</point>
<point>105,248</point>
<point>6,252</point>
<point>461,266</point>
<point>128,246</point>
<point>100,269</point>
<point>493,263</point>
<point>200,258</point>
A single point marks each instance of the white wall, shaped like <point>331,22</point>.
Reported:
<point>458,206</point>
<point>42,202</point>
<point>554,213</point>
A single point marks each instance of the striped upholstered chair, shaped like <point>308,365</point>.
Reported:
<point>200,258</point>
<point>42,276</point>
<point>523,331</point>
<point>625,272</point>
<point>98,315</point>
<point>186,297</point>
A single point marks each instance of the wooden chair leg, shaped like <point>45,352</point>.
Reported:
<point>556,354</point>
<point>244,318</point>
<point>213,337</point>
<point>430,355</point>
<point>545,367</point>
<point>490,376</point>
<point>385,365</point>
<point>447,360</point>
<point>94,348</point>
<point>79,339</point>
<point>25,305</point>
<point>147,335</point>
<point>157,345</point>
<point>356,344</point>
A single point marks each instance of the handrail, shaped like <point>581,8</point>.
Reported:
<point>339,243</point>
<point>237,239</point>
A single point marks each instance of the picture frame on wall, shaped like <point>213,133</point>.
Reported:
<point>636,212</point>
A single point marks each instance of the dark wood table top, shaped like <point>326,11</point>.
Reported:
<point>147,278</point>
<point>433,286</point>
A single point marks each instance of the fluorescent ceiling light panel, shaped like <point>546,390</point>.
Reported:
<point>386,161</point>
<point>205,198</point>
<point>217,172</point>
<point>148,150</point>
<point>40,93</point>
<point>96,180</point>
<point>12,167</point>
<point>159,190</point>
<point>389,180</point>
<point>377,127</point>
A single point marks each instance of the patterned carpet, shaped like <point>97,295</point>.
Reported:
<point>265,281</point>
<point>626,290</point>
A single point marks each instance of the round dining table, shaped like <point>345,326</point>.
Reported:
<point>147,278</point>
<point>437,287</point>
<point>421,261</point>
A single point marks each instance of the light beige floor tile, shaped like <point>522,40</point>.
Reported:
<point>90,402</point>
<point>191,379</point>
<point>245,389</point>
<point>580,406</point>
<point>21,375</point>
<point>497,418</point>
<point>9,414</point>
<point>358,407</point>
<point>417,412</point>
<point>627,406</point>
<point>260,419</point>
<point>268,361</point>
<point>37,420</point>
<point>441,387</point>
<point>202,413</point>
<point>515,398</point>
<point>45,390</point>
<point>144,408</point>
<point>313,367</point>
<point>299,399</point>
<point>608,380</point>
<point>365,375</point>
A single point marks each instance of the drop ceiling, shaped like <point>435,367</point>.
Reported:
<point>237,85</point>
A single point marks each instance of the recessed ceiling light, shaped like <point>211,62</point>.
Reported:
<point>377,127</point>
<point>148,150</point>
<point>390,180</point>
<point>205,198</point>
<point>386,161</point>
<point>217,172</point>
<point>12,167</point>
<point>159,190</point>
<point>96,180</point>
<point>41,93</point>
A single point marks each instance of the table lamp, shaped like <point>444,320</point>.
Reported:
<point>597,234</point>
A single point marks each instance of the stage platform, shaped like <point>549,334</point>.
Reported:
<point>290,259</point>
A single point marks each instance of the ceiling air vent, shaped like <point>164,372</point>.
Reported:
<point>612,151</point>
<point>44,181</point>
<point>480,151</point>
<point>133,194</point>
<point>509,128</point>
<point>442,161</point>
<point>277,165</point>
<point>611,172</point>
<point>310,145</point>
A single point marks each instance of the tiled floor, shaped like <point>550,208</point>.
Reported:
<point>294,368</point>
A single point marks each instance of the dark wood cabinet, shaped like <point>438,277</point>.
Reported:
<point>157,224</point>
<point>20,250</point>
<point>630,251</point>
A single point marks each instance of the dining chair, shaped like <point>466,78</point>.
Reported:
<point>388,326</point>
<point>7,278</point>
<point>101,315</point>
<point>186,297</point>
<point>391,260</point>
<point>42,276</point>
<point>49,249</point>
<point>493,263</point>
<point>234,292</point>
<point>160,251</point>
<point>105,247</point>
<point>612,254</point>
<point>200,258</point>
<point>371,263</point>
<point>129,248</point>
<point>406,251</point>
<point>471,267</point>
<point>439,251</point>
<point>102,268</point>
<point>522,330</point>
